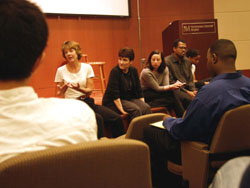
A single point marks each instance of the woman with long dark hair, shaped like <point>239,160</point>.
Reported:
<point>155,84</point>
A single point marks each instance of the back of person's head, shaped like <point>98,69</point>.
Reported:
<point>72,45</point>
<point>224,49</point>
<point>176,42</point>
<point>23,34</point>
<point>127,52</point>
<point>192,53</point>
<point>162,66</point>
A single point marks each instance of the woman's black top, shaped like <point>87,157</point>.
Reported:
<point>124,86</point>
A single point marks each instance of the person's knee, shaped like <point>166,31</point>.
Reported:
<point>99,118</point>
<point>148,109</point>
<point>118,120</point>
<point>136,111</point>
<point>144,108</point>
<point>118,117</point>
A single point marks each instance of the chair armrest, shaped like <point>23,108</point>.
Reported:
<point>194,163</point>
<point>197,145</point>
<point>136,126</point>
<point>175,168</point>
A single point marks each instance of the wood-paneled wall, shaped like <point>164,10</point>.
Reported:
<point>102,37</point>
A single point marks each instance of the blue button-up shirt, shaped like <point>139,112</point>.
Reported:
<point>223,93</point>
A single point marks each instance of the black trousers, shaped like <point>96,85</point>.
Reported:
<point>164,99</point>
<point>162,148</point>
<point>106,116</point>
<point>110,118</point>
<point>100,125</point>
<point>183,97</point>
<point>134,107</point>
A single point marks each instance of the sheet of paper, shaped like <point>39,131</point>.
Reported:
<point>158,124</point>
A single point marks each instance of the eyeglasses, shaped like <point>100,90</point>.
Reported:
<point>183,48</point>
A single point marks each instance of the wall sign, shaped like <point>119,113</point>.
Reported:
<point>198,28</point>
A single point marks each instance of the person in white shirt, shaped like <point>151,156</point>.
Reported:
<point>234,173</point>
<point>75,80</point>
<point>29,123</point>
<point>194,57</point>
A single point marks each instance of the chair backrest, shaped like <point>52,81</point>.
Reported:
<point>106,163</point>
<point>232,133</point>
<point>135,129</point>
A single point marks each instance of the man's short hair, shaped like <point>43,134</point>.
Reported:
<point>72,45</point>
<point>23,35</point>
<point>224,49</point>
<point>176,42</point>
<point>127,52</point>
<point>192,53</point>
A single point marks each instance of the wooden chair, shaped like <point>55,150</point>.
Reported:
<point>231,139</point>
<point>101,76</point>
<point>105,163</point>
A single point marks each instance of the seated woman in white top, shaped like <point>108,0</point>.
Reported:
<point>155,84</point>
<point>75,80</point>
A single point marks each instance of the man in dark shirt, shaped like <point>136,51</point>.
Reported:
<point>180,69</point>
<point>227,90</point>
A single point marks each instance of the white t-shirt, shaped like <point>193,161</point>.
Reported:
<point>193,68</point>
<point>29,123</point>
<point>63,75</point>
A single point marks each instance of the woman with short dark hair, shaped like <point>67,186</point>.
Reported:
<point>123,93</point>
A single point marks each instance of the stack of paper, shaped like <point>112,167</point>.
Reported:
<point>158,124</point>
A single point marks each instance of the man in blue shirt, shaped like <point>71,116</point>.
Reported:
<point>227,90</point>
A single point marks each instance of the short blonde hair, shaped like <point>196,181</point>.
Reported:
<point>72,45</point>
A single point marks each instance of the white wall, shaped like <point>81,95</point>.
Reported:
<point>234,24</point>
